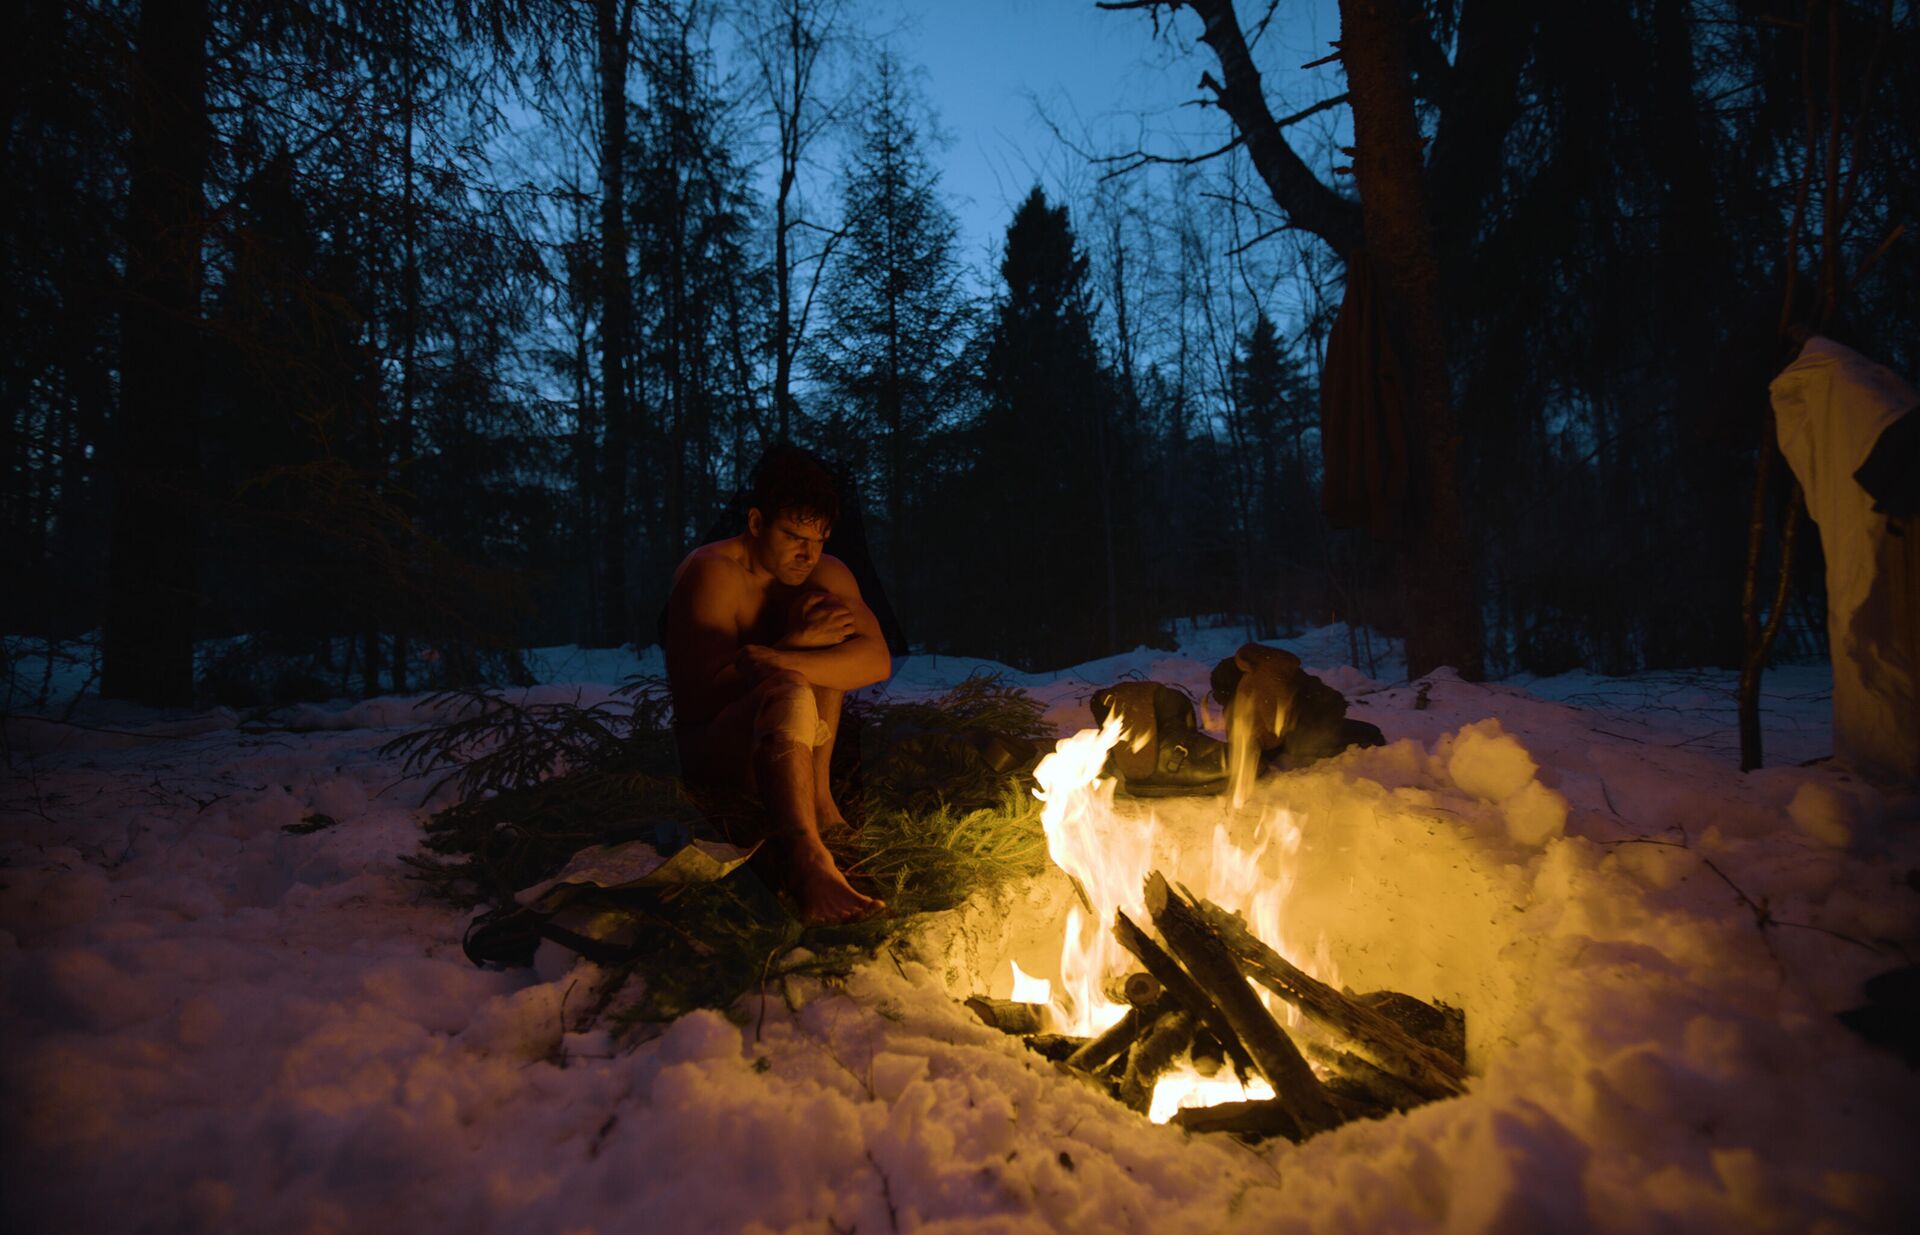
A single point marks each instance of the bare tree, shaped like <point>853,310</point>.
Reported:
<point>1391,220</point>
<point>792,43</point>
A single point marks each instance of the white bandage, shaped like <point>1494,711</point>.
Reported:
<point>790,712</point>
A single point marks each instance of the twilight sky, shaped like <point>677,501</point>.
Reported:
<point>992,66</point>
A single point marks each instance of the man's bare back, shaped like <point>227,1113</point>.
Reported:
<point>765,634</point>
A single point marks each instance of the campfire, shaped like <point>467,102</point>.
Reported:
<point>1185,1006</point>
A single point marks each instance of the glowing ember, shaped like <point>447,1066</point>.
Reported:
<point>1109,857</point>
<point>1183,1087</point>
<point>1029,989</point>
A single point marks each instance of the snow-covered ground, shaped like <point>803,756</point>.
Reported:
<point>211,1023</point>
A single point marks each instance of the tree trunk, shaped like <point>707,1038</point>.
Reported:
<point>1435,562</point>
<point>402,455</point>
<point>153,584</point>
<point>613,26</point>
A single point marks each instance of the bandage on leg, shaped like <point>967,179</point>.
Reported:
<point>790,712</point>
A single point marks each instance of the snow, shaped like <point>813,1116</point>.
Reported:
<point>217,1025</point>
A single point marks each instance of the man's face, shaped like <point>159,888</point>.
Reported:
<point>788,546</point>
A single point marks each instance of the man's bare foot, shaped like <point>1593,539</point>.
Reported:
<point>834,828</point>
<point>824,894</point>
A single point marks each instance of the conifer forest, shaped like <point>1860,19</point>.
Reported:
<point>368,342</point>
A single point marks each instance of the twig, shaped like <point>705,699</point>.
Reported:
<point>1763,916</point>
<point>886,1192</point>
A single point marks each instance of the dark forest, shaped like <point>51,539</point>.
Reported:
<point>949,616</point>
<point>367,343</point>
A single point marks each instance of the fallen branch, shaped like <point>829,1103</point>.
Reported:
<point>1207,957</point>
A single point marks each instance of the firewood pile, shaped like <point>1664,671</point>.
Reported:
<point>1370,1054</point>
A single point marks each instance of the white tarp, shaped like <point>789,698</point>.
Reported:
<point>1832,404</point>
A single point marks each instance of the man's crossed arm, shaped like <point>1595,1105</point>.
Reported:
<point>834,641</point>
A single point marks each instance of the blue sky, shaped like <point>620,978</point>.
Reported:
<point>993,66</point>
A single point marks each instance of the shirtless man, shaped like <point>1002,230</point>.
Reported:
<point>765,634</point>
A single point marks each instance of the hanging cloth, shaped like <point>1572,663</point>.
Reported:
<point>1363,411</point>
<point>1833,406</point>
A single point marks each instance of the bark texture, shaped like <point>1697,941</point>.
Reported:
<point>1436,566</point>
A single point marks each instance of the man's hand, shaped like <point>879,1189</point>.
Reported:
<point>756,662</point>
<point>819,620</point>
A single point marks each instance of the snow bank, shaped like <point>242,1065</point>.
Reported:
<point>217,1025</point>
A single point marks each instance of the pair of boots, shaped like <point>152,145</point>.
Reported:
<point>1293,718</point>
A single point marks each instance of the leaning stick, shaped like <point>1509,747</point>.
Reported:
<point>1381,1086</point>
<point>1433,1073</point>
<point>1212,965</point>
<point>1109,1045</point>
<point>1152,1055</point>
<point>1181,989</point>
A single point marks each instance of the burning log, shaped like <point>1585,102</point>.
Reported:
<point>1200,948</point>
<point>1355,1101</point>
<point>1249,1121</point>
<point>1381,1088</point>
<point>1152,1054</point>
<point>1430,1072</point>
<point>1206,1054</point>
<point>1182,989</point>
<point>1440,1026</point>
<point>1054,1047</point>
<point>1008,1016</point>
<point>1109,1046</point>
<point>1136,990</point>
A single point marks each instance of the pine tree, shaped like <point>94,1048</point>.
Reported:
<point>1042,496</point>
<point>1271,398</point>
<point>895,309</point>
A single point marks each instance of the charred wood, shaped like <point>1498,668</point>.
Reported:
<point>1054,1047</point>
<point>1439,1025</point>
<point>1152,1054</point>
<point>1136,990</point>
<point>1008,1016</point>
<point>1109,1045</point>
<point>1250,1121</point>
<point>1382,1088</point>
<point>1432,1073</point>
<point>1355,1101</point>
<point>1182,990</point>
<point>1206,1054</point>
<point>1207,957</point>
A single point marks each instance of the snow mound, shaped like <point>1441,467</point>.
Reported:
<point>217,1025</point>
<point>1486,761</point>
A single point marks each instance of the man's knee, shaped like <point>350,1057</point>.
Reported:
<point>787,710</point>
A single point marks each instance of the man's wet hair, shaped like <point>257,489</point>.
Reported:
<point>794,482</point>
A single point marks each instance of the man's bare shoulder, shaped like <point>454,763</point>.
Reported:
<point>718,565</point>
<point>832,574</point>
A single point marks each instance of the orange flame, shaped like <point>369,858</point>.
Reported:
<point>1109,856</point>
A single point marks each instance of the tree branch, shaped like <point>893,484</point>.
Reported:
<point>1307,202</point>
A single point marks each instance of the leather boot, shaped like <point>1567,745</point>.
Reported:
<point>1162,751</point>
<point>1295,718</point>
